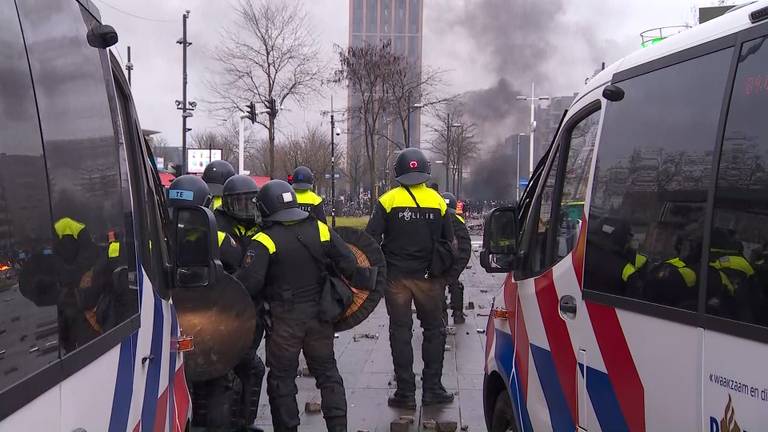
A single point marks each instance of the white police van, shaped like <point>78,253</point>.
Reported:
<point>649,311</point>
<point>88,330</point>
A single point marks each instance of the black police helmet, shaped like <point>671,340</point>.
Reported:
<point>277,201</point>
<point>450,200</point>
<point>303,178</point>
<point>188,191</point>
<point>240,193</point>
<point>216,174</point>
<point>411,167</point>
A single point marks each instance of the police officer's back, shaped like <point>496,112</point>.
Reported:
<point>283,265</point>
<point>463,246</point>
<point>215,175</point>
<point>410,220</point>
<point>308,200</point>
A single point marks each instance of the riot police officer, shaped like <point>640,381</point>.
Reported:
<point>310,202</point>
<point>413,219</point>
<point>238,214</point>
<point>215,175</point>
<point>463,246</point>
<point>294,241</point>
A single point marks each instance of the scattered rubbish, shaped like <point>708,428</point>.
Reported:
<point>469,266</point>
<point>399,425</point>
<point>480,330</point>
<point>312,407</point>
<point>335,335</point>
<point>304,372</point>
<point>409,419</point>
<point>481,306</point>
<point>450,330</point>
<point>429,424</point>
<point>465,428</point>
<point>482,314</point>
<point>483,290</point>
<point>470,306</point>
<point>373,336</point>
<point>448,348</point>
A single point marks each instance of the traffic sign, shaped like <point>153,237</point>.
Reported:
<point>523,182</point>
<point>337,175</point>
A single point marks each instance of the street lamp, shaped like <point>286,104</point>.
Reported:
<point>441,162</point>
<point>517,187</point>
<point>411,108</point>
<point>458,158</point>
<point>533,100</point>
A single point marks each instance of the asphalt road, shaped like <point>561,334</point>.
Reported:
<point>365,362</point>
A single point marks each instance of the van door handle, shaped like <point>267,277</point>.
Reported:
<point>568,306</point>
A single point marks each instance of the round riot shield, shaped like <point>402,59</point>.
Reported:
<point>221,319</point>
<point>368,254</point>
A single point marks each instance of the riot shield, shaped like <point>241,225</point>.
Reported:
<point>368,254</point>
<point>221,318</point>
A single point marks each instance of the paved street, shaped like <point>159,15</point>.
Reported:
<point>365,362</point>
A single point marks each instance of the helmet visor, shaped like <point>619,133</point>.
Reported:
<point>242,206</point>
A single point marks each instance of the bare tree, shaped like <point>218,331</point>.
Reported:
<point>158,140</point>
<point>223,138</point>
<point>268,55</point>
<point>453,139</point>
<point>311,149</point>
<point>366,69</point>
<point>409,90</point>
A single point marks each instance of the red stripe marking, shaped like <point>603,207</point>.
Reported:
<point>578,253</point>
<point>138,427</point>
<point>517,325</point>
<point>183,400</point>
<point>162,410</point>
<point>559,339</point>
<point>619,364</point>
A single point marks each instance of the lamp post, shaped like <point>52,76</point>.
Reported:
<point>335,131</point>
<point>411,108</point>
<point>533,98</point>
<point>442,162</point>
<point>517,171</point>
<point>182,105</point>
<point>458,146</point>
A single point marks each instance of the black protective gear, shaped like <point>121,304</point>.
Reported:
<point>428,297</point>
<point>402,400</point>
<point>435,396</point>
<point>240,192</point>
<point>250,372</point>
<point>188,191</point>
<point>450,200</point>
<point>303,179</point>
<point>297,328</point>
<point>412,167</point>
<point>277,202</point>
<point>216,175</point>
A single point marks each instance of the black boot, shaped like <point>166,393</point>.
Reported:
<point>402,400</point>
<point>435,396</point>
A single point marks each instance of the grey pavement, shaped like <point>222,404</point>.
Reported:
<point>365,362</point>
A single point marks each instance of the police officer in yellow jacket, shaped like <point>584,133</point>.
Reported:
<point>215,175</point>
<point>408,220</point>
<point>463,245</point>
<point>282,265</point>
<point>309,201</point>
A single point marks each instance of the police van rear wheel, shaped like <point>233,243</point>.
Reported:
<point>503,419</point>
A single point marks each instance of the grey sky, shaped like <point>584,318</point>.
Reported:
<point>583,33</point>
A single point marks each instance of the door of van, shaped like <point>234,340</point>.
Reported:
<point>734,379</point>
<point>548,285</point>
<point>644,270</point>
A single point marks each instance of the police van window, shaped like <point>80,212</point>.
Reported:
<point>581,143</point>
<point>650,185</point>
<point>82,161</point>
<point>542,224</point>
<point>28,316</point>
<point>737,273</point>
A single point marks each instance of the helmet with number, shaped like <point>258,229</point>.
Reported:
<point>303,178</point>
<point>188,191</point>
<point>450,200</point>
<point>277,201</point>
<point>411,167</point>
<point>216,174</point>
<point>239,200</point>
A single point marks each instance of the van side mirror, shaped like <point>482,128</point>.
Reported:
<point>613,93</point>
<point>196,248</point>
<point>101,36</point>
<point>500,233</point>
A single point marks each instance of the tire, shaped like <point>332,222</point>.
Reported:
<point>503,419</point>
<point>365,301</point>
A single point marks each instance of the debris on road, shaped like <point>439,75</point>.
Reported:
<point>481,330</point>
<point>399,425</point>
<point>429,424</point>
<point>372,336</point>
<point>335,335</point>
<point>483,290</point>
<point>450,330</point>
<point>482,314</point>
<point>480,306</point>
<point>464,428</point>
<point>409,419</point>
<point>470,306</point>
<point>448,348</point>
<point>304,372</point>
<point>447,426</point>
<point>312,407</point>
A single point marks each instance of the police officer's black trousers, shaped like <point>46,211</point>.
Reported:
<point>295,329</point>
<point>456,290</point>
<point>212,403</point>
<point>250,371</point>
<point>429,297</point>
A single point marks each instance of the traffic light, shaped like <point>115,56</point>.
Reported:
<point>251,111</point>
